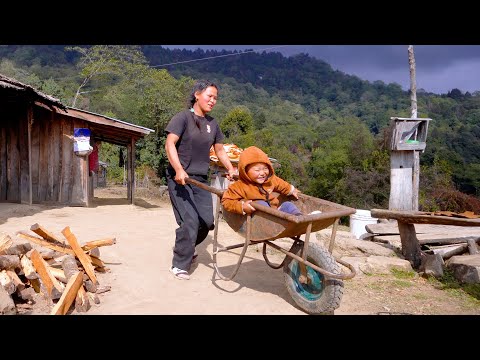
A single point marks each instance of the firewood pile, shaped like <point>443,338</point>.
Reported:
<point>63,273</point>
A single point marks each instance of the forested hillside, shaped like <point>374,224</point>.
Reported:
<point>327,128</point>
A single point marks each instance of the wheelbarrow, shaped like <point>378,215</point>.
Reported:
<point>312,275</point>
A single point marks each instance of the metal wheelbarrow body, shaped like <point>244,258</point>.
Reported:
<point>312,275</point>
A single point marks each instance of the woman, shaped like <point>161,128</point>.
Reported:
<point>191,133</point>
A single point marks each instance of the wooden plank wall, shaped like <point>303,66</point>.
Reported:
<point>58,175</point>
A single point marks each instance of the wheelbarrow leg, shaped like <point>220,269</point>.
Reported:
<point>303,268</point>
<point>242,255</point>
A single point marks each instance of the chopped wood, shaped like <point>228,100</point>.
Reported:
<point>7,306</point>
<point>19,249</point>
<point>7,283</point>
<point>28,269</point>
<point>28,293</point>
<point>5,242</point>
<point>16,280</point>
<point>48,254</point>
<point>94,252</point>
<point>50,282</point>
<point>97,262</point>
<point>82,301</point>
<point>35,284</point>
<point>93,298</point>
<point>40,241</point>
<point>84,258</point>
<point>70,268</point>
<point>472,247</point>
<point>448,251</point>
<point>69,295</point>
<point>97,243</point>
<point>102,289</point>
<point>90,286</point>
<point>65,249</point>
<point>58,273</point>
<point>8,262</point>
<point>44,233</point>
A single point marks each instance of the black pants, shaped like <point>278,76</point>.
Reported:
<point>193,210</point>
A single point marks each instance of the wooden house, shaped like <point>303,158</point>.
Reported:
<point>37,159</point>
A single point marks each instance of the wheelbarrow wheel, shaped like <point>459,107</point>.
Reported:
<point>320,295</point>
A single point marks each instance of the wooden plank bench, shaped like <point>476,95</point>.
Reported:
<point>406,218</point>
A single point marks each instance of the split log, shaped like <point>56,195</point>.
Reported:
<point>28,269</point>
<point>16,280</point>
<point>90,286</point>
<point>28,293</point>
<point>8,262</point>
<point>35,284</point>
<point>69,295</point>
<point>40,241</point>
<point>7,283</point>
<point>70,268</point>
<point>93,298</point>
<point>47,235</point>
<point>58,273</point>
<point>5,242</point>
<point>94,252</point>
<point>84,258</point>
<point>7,306</point>
<point>54,287</point>
<point>97,243</point>
<point>103,288</point>
<point>19,249</point>
<point>472,247</point>
<point>448,251</point>
<point>65,249</point>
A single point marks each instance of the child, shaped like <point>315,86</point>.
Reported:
<point>257,181</point>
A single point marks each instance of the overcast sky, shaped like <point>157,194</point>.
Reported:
<point>439,68</point>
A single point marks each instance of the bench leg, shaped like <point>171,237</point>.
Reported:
<point>410,245</point>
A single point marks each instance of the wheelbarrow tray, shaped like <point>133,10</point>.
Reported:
<point>270,224</point>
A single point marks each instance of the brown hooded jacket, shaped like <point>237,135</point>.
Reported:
<point>247,189</point>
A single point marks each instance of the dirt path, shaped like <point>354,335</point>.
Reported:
<point>142,284</point>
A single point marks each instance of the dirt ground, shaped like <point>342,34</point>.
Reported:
<point>141,283</point>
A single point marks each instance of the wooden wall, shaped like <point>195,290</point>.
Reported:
<point>58,175</point>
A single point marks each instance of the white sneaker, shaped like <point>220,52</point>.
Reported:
<point>315,212</point>
<point>179,273</point>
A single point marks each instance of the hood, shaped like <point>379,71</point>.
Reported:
<point>252,155</point>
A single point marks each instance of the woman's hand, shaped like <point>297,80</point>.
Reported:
<point>180,176</point>
<point>231,173</point>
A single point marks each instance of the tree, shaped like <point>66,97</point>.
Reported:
<point>106,60</point>
<point>239,121</point>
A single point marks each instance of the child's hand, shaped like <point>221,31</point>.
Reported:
<point>295,193</point>
<point>247,208</point>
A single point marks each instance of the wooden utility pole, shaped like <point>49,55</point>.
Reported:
<point>408,139</point>
<point>416,153</point>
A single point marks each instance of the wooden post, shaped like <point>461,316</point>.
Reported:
<point>416,155</point>
<point>29,130</point>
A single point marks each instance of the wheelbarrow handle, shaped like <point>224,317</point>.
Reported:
<point>203,186</point>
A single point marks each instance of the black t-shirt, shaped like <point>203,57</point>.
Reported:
<point>193,145</point>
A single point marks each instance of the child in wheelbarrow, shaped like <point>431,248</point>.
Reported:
<point>257,181</point>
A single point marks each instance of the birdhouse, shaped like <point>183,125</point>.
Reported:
<point>409,133</point>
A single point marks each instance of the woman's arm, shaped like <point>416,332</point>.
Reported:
<point>223,157</point>
<point>172,154</point>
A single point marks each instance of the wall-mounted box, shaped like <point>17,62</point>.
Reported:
<point>409,133</point>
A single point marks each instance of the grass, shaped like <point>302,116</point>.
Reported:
<point>449,283</point>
